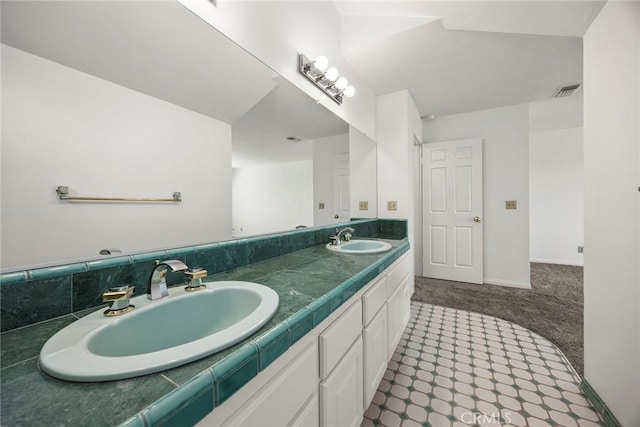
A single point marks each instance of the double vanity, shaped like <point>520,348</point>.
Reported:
<point>321,354</point>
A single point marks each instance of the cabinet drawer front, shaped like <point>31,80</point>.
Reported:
<point>374,299</point>
<point>277,403</point>
<point>338,337</point>
<point>398,274</point>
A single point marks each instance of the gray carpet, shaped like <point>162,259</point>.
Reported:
<point>552,308</point>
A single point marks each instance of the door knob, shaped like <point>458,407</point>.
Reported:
<point>476,218</point>
<point>336,216</point>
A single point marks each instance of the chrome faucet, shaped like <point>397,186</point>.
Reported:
<point>157,283</point>
<point>343,235</point>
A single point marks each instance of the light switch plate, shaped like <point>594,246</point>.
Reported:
<point>321,205</point>
<point>392,205</point>
<point>364,206</point>
<point>512,204</point>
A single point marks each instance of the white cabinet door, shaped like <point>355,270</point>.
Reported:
<point>341,394</point>
<point>375,354</point>
<point>395,316</point>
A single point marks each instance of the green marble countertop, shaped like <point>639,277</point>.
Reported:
<point>31,398</point>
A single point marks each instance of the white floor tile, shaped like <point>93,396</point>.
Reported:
<point>452,364</point>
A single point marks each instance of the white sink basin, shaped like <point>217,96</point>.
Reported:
<point>159,334</point>
<point>360,247</point>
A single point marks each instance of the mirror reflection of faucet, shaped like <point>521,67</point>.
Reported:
<point>342,235</point>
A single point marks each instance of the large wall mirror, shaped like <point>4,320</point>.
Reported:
<point>143,99</point>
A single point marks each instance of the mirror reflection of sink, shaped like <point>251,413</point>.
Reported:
<point>360,247</point>
<point>158,335</point>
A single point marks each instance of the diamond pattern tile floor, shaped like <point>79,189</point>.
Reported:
<point>455,368</point>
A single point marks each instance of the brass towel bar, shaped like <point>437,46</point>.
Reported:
<point>63,193</point>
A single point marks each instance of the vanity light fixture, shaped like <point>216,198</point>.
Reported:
<point>328,81</point>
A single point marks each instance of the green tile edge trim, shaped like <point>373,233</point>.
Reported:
<point>184,405</point>
<point>598,404</point>
<point>234,371</point>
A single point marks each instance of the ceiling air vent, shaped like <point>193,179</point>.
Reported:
<point>566,91</point>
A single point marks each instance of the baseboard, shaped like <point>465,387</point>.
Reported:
<point>598,404</point>
<point>508,283</point>
<point>557,261</point>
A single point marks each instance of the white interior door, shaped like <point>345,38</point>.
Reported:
<point>452,210</point>
<point>341,188</point>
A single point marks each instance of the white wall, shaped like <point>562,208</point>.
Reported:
<point>311,28</point>
<point>505,132</point>
<point>392,137</point>
<point>556,196</point>
<point>557,113</point>
<point>612,211</point>
<point>363,177</point>
<point>397,123</point>
<point>272,198</point>
<point>64,127</point>
<point>324,152</point>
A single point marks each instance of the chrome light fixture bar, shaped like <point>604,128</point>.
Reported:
<point>328,80</point>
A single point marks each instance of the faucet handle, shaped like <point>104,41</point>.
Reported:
<point>194,276</point>
<point>119,298</point>
<point>118,293</point>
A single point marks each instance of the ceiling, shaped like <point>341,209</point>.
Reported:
<point>260,136</point>
<point>453,56</point>
<point>459,56</point>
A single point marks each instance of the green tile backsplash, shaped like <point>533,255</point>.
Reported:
<point>395,229</point>
<point>32,296</point>
<point>24,303</point>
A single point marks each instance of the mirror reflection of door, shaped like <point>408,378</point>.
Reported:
<point>341,188</point>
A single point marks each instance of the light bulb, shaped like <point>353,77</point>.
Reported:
<point>341,83</point>
<point>331,74</point>
<point>349,91</point>
<point>321,63</point>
